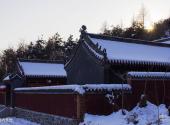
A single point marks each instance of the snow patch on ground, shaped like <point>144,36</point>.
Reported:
<point>15,121</point>
<point>144,116</point>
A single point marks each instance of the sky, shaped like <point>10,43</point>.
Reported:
<point>28,20</point>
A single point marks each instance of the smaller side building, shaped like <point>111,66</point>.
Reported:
<point>41,73</point>
<point>13,81</point>
<point>154,85</point>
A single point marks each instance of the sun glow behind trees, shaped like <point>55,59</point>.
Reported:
<point>149,27</point>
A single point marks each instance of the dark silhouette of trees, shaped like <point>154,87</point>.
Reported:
<point>8,60</point>
<point>54,48</point>
<point>70,46</point>
<point>161,29</point>
<point>136,31</point>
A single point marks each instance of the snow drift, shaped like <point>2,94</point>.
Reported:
<point>149,115</point>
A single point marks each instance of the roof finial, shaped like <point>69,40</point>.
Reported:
<point>83,29</point>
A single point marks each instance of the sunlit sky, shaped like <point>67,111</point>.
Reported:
<point>28,20</point>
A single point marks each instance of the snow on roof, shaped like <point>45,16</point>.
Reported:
<point>76,88</point>
<point>11,76</point>
<point>43,69</point>
<point>2,86</point>
<point>167,42</point>
<point>109,87</point>
<point>15,75</point>
<point>126,51</point>
<point>81,89</point>
<point>6,78</point>
<point>149,74</point>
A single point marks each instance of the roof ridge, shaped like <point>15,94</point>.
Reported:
<point>126,40</point>
<point>40,61</point>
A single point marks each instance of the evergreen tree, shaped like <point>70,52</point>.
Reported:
<point>21,51</point>
<point>160,29</point>
<point>136,31</point>
<point>9,60</point>
<point>55,47</point>
<point>117,31</point>
<point>50,50</point>
<point>30,51</point>
<point>2,69</point>
<point>70,46</point>
<point>38,49</point>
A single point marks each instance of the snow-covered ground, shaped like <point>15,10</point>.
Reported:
<point>15,121</point>
<point>142,116</point>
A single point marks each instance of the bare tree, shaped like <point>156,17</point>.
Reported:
<point>104,27</point>
<point>141,18</point>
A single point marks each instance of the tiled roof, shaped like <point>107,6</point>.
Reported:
<point>129,50</point>
<point>42,69</point>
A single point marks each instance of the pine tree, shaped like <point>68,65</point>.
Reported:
<point>9,60</point>
<point>21,51</point>
<point>55,47</point>
<point>38,49</point>
<point>69,46</point>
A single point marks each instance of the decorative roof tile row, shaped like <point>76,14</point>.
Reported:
<point>149,74</point>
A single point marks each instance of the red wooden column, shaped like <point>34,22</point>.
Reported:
<point>81,107</point>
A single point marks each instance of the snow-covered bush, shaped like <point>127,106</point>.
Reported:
<point>143,101</point>
<point>112,100</point>
<point>132,118</point>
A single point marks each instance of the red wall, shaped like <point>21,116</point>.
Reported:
<point>157,91</point>
<point>97,104</point>
<point>2,97</point>
<point>3,93</point>
<point>67,105</point>
<point>57,104</point>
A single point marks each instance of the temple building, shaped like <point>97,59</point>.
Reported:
<point>41,73</point>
